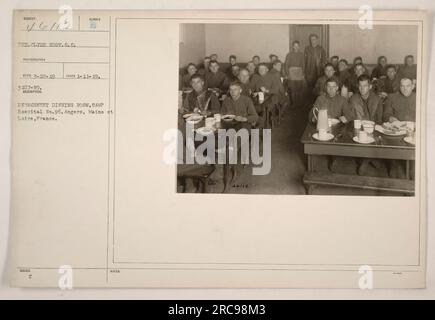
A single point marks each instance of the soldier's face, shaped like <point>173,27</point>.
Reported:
<point>409,61</point>
<point>406,87</point>
<point>364,87</point>
<point>251,67</point>
<point>383,62</point>
<point>391,73</point>
<point>256,60</point>
<point>191,70</point>
<point>331,89</point>
<point>197,84</point>
<point>329,71</point>
<point>277,66</point>
<point>235,91</point>
<point>359,70</point>
<point>214,67</point>
<point>235,70</point>
<point>244,76</point>
<point>233,61</point>
<point>314,41</point>
<point>262,70</point>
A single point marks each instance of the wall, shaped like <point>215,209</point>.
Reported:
<point>394,42</point>
<point>247,40</point>
<point>192,47</point>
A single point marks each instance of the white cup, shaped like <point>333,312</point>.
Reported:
<point>209,122</point>
<point>357,124</point>
<point>323,134</point>
<point>362,136</point>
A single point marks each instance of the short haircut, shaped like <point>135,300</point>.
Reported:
<point>236,83</point>
<point>262,64</point>
<point>233,57</point>
<point>335,57</point>
<point>249,62</point>
<point>255,57</point>
<point>190,65</point>
<point>390,66</point>
<point>197,76</point>
<point>332,79</point>
<point>405,78</point>
<point>382,57</point>
<point>409,56</point>
<point>235,65</point>
<point>328,65</point>
<point>357,58</point>
<point>343,60</point>
<point>364,77</point>
<point>276,62</point>
<point>214,62</point>
<point>313,35</point>
<point>207,58</point>
<point>272,55</point>
<point>296,41</point>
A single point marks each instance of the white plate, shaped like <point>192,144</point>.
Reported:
<point>188,115</point>
<point>329,136</point>
<point>195,118</point>
<point>369,140</point>
<point>334,121</point>
<point>396,134</point>
<point>204,131</point>
<point>409,140</point>
<point>228,117</point>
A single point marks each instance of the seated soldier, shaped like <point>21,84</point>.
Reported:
<point>337,108</point>
<point>250,66</point>
<point>215,79</point>
<point>185,80</point>
<point>389,84</point>
<point>334,61</point>
<point>205,66</point>
<point>256,61</point>
<point>333,102</point>
<point>380,71</point>
<point>239,105</point>
<point>409,69</point>
<point>266,82</point>
<point>329,72</point>
<point>400,106</point>
<point>244,82</point>
<point>243,108</point>
<point>233,62</point>
<point>235,69</point>
<point>343,76</point>
<point>358,70</point>
<point>200,100</point>
<point>365,104</point>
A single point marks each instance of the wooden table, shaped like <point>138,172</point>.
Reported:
<point>384,147</point>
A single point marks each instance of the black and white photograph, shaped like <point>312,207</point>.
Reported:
<point>324,109</point>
